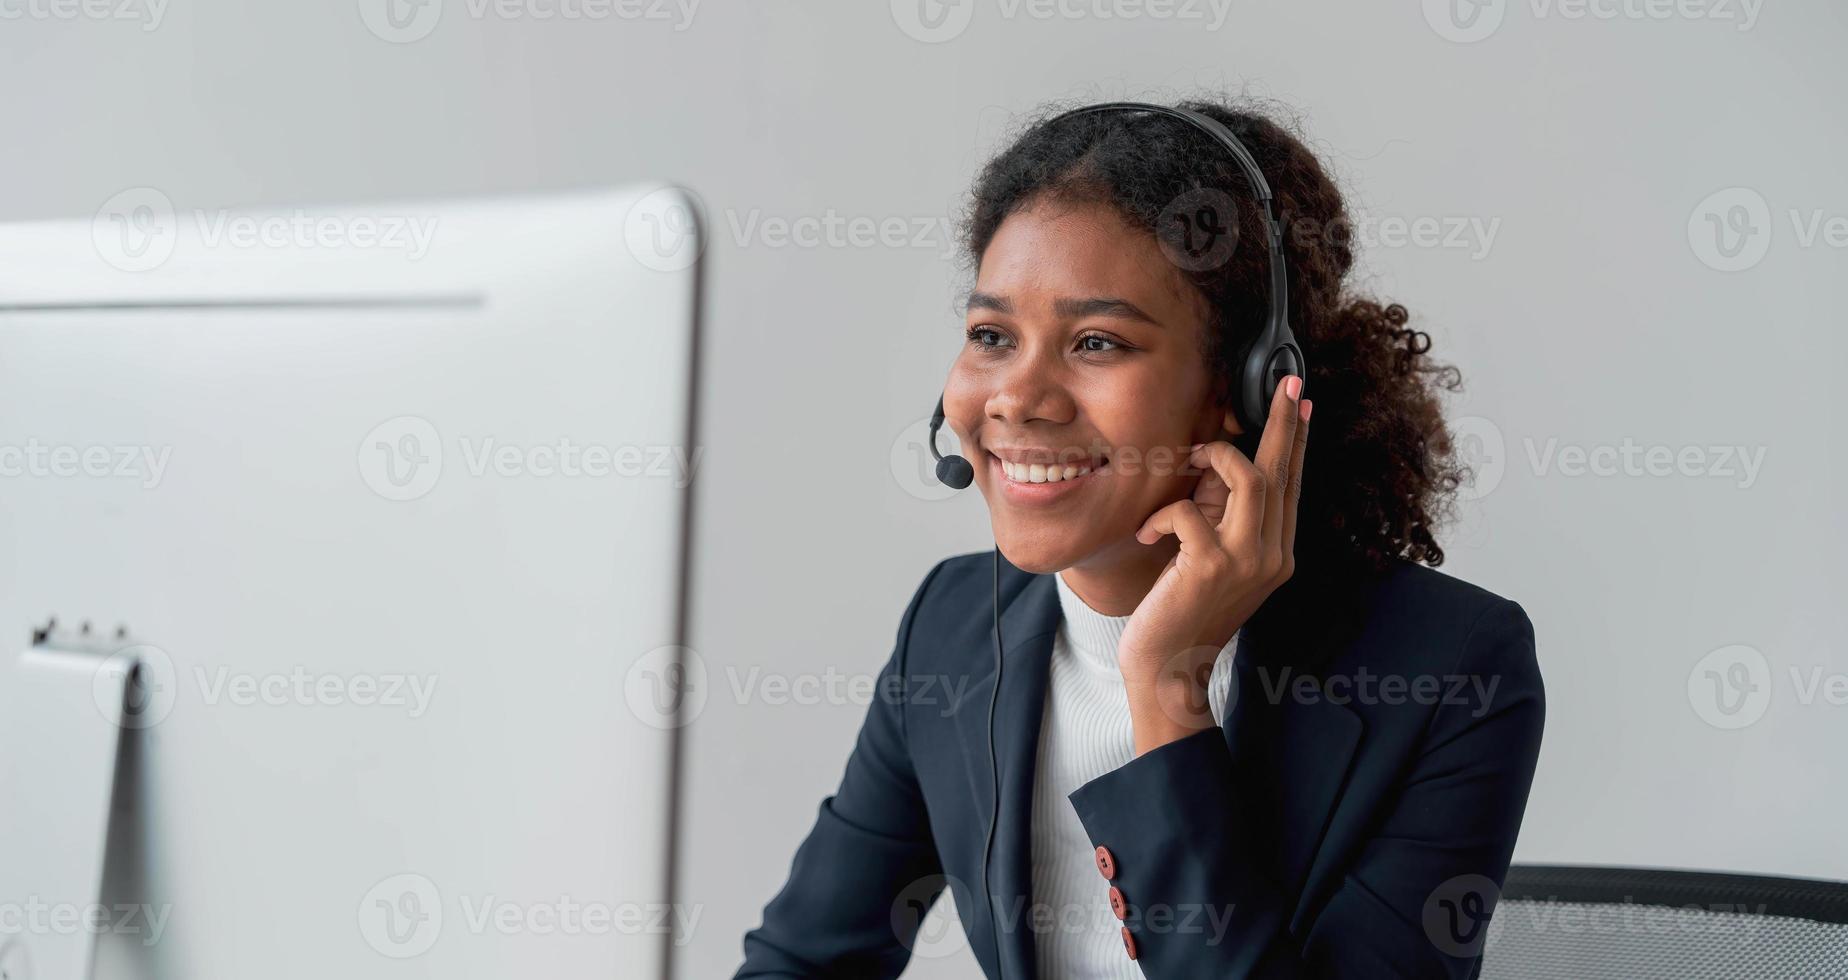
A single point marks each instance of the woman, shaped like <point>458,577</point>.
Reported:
<point>1241,728</point>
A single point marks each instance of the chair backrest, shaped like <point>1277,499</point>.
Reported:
<point>1576,923</point>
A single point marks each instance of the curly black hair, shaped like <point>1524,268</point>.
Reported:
<point>1381,473</point>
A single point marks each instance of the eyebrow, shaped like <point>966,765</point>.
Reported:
<point>1104,306</point>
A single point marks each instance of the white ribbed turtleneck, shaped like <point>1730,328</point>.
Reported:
<point>1084,733</point>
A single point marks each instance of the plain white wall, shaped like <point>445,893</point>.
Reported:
<point>1600,314</point>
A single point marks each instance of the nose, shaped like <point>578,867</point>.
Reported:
<point>1030,391</point>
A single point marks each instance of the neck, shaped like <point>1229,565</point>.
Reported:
<point>1114,580</point>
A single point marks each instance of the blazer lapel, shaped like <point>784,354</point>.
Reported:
<point>1291,756</point>
<point>1028,624</point>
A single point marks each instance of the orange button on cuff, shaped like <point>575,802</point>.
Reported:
<point>1106,863</point>
<point>1129,943</point>
<point>1117,904</point>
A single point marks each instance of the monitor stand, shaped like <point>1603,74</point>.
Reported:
<point>70,704</point>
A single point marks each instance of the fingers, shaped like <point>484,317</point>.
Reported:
<point>1211,494</point>
<point>1295,491</point>
<point>1275,448</point>
<point>1242,526</point>
<point>1246,506</point>
<point>1183,519</point>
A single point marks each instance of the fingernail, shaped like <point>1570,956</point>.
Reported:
<point>1293,387</point>
<point>1308,406</point>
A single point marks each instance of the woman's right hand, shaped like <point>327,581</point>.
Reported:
<point>1237,545</point>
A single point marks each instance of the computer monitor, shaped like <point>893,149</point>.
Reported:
<point>389,506</point>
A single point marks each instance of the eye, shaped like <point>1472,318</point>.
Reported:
<point>978,337</point>
<point>1100,338</point>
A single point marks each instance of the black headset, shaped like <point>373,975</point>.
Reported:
<point>1271,356</point>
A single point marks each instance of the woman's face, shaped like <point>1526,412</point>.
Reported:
<point>1086,355</point>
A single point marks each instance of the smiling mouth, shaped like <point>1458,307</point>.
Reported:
<point>1047,474</point>
<point>1039,483</point>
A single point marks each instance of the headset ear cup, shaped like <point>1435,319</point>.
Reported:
<point>1254,398</point>
<point>1254,405</point>
<point>1276,364</point>
<point>1286,361</point>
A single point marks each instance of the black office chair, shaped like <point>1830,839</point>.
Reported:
<point>1577,923</point>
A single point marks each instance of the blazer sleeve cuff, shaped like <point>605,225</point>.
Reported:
<point>1179,854</point>
<point>1179,789</point>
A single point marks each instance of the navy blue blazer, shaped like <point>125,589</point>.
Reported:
<point>1353,818</point>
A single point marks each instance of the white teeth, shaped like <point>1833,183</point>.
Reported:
<point>1041,472</point>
